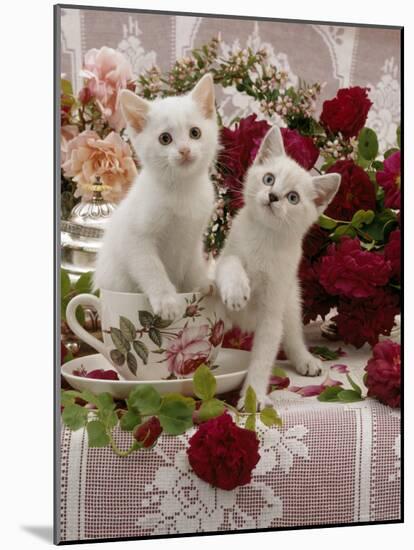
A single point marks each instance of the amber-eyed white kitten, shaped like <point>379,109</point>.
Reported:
<point>154,241</point>
<point>256,274</point>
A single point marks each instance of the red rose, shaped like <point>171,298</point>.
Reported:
<point>356,191</point>
<point>98,374</point>
<point>300,148</point>
<point>239,149</point>
<point>383,378</point>
<point>148,432</point>
<point>315,241</point>
<point>217,333</point>
<point>316,301</point>
<point>223,454</point>
<point>347,270</point>
<point>361,321</point>
<point>390,180</point>
<point>347,112</point>
<point>392,253</point>
<point>236,339</point>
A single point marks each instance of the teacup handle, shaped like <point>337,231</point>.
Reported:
<point>77,328</point>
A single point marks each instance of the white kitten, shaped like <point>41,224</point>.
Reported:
<point>256,273</point>
<point>154,241</point>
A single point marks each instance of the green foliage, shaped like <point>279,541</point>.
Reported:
<point>176,413</point>
<point>211,408</point>
<point>68,290</point>
<point>326,222</point>
<point>74,416</point>
<point>144,400</point>
<point>129,420</point>
<point>368,144</point>
<point>250,402</point>
<point>97,435</point>
<point>204,383</point>
<point>269,417</point>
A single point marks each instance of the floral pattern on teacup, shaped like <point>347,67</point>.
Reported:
<point>184,344</point>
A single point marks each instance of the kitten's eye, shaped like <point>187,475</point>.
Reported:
<point>269,179</point>
<point>195,133</point>
<point>165,138</point>
<point>293,197</point>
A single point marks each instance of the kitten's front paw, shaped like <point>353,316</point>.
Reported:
<point>309,365</point>
<point>167,306</point>
<point>235,292</point>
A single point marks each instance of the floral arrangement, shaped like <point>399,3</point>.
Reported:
<point>221,452</point>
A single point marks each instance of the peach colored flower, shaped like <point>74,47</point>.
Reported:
<point>67,133</point>
<point>107,72</point>
<point>110,159</point>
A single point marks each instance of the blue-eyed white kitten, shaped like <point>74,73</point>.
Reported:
<point>154,241</point>
<point>256,274</point>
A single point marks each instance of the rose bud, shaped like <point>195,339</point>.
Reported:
<point>148,432</point>
<point>85,95</point>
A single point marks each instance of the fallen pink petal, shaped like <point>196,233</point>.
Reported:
<point>343,369</point>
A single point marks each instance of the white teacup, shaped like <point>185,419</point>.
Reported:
<point>141,345</point>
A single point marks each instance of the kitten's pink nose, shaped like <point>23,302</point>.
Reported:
<point>184,152</point>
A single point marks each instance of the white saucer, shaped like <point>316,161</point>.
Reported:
<point>229,375</point>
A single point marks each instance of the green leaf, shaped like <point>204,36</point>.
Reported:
<point>368,144</point>
<point>66,86</point>
<point>145,318</point>
<point>326,223</point>
<point>330,393</point>
<point>117,357</point>
<point>74,416</point>
<point>176,413</point>
<point>362,217</point>
<point>378,165</point>
<point>132,363</point>
<point>104,401</point>
<point>383,221</point>
<point>399,136</point>
<point>65,285</point>
<point>251,422</point>
<point>120,342</point>
<point>144,399</point>
<point>354,385</point>
<point>141,350</point>
<point>326,354</point>
<point>390,152</point>
<point>161,323</point>
<point>155,336</point>
<point>343,230</point>
<point>97,436</point>
<point>250,402</point>
<point>66,398</point>
<point>127,328</point>
<point>84,283</point>
<point>129,420</point>
<point>349,396</point>
<point>204,383</point>
<point>210,409</point>
<point>80,315</point>
<point>269,417</point>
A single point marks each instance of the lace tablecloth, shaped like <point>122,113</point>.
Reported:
<point>329,464</point>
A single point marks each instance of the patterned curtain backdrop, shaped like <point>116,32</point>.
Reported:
<point>337,56</point>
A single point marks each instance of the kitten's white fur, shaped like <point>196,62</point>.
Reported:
<point>154,241</point>
<point>256,274</point>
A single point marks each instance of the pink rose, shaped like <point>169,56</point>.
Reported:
<point>67,133</point>
<point>107,72</point>
<point>189,350</point>
<point>217,333</point>
<point>89,157</point>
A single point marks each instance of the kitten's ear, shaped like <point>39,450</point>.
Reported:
<point>326,188</point>
<point>203,95</point>
<point>271,146</point>
<point>134,109</point>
